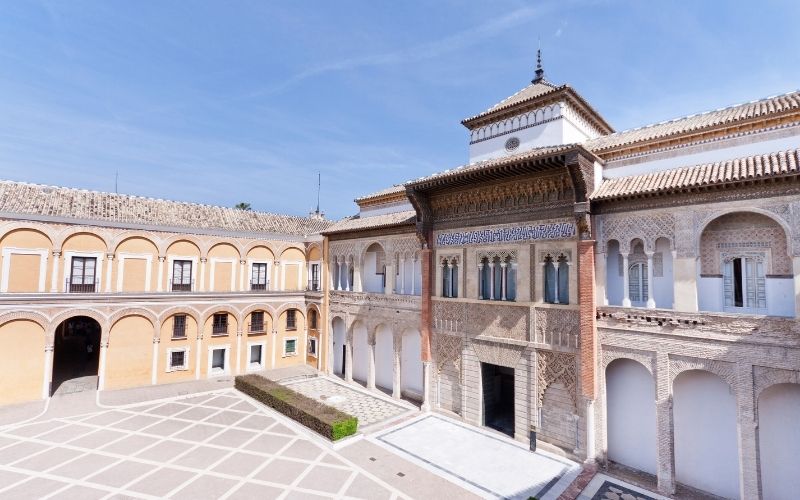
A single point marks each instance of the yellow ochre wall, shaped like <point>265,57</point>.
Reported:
<point>282,361</point>
<point>24,269</point>
<point>218,340</point>
<point>289,261</point>
<point>167,342</point>
<point>21,361</point>
<point>25,275</point>
<point>134,269</point>
<point>129,360</point>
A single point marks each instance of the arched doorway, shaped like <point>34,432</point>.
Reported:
<point>706,437</point>
<point>779,440</point>
<point>75,355</point>
<point>339,340</point>
<point>631,415</point>
<point>411,365</point>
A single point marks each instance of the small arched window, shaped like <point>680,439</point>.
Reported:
<point>449,278</point>
<point>556,280</point>
<point>312,319</point>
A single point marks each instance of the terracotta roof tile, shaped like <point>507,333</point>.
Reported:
<point>749,168</point>
<point>60,202</point>
<point>356,223</point>
<point>383,192</point>
<point>761,108</point>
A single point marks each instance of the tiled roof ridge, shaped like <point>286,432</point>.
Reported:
<point>760,166</point>
<point>505,103</point>
<point>393,189</point>
<point>730,107</point>
<point>145,198</point>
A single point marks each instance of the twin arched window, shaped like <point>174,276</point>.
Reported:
<point>497,278</point>
<point>556,279</point>
<point>449,278</point>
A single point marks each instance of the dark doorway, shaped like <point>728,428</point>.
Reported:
<point>76,355</point>
<point>344,359</point>
<point>498,397</point>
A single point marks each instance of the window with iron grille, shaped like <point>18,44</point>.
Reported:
<point>82,274</point>
<point>257,321</point>
<point>179,326</point>
<point>178,360</point>
<point>258,278</point>
<point>290,347</point>
<point>182,275</point>
<point>291,319</point>
<point>220,324</point>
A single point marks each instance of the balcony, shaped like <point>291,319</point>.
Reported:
<point>181,287</point>
<point>259,286</point>
<point>82,287</point>
<point>179,331</point>
<point>313,286</point>
<point>256,327</point>
<point>219,329</point>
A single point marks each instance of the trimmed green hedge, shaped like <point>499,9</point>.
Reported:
<point>319,417</point>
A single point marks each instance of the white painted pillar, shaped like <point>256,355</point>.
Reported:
<point>54,278</point>
<point>339,279</point>
<point>503,271</point>
<point>347,268</point>
<point>389,289</point>
<point>101,370</point>
<point>626,297</point>
<point>651,302</point>
<point>348,356</point>
<point>450,279</point>
<point>109,268</point>
<point>160,284</point>
<point>154,371</point>
<point>238,369</point>
<point>48,371</point>
<point>202,286</point>
<point>358,286</point>
<point>413,275</point>
<point>274,347</point>
<point>241,275</point>
<point>396,368</point>
<point>491,282</point>
<point>480,280</point>
<point>556,268</point>
<point>403,276</point>
<point>371,366</point>
<point>426,386</point>
<point>198,354</point>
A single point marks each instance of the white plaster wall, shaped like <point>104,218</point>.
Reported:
<point>411,363</point>
<point>709,294</point>
<point>546,134</point>
<point>370,281</point>
<point>706,439</point>
<point>779,440</point>
<point>780,296</point>
<point>572,134</point>
<point>360,353</point>
<point>385,209</point>
<point>338,341</point>
<point>384,358</point>
<point>713,152</point>
<point>614,282</point>
<point>663,288</point>
<point>631,415</point>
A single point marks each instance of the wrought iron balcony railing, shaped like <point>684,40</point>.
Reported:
<point>82,287</point>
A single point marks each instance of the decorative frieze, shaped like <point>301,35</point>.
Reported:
<point>514,234</point>
<point>495,320</point>
<point>553,367</point>
<point>556,326</point>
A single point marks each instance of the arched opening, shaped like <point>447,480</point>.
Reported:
<point>706,439</point>
<point>631,415</point>
<point>75,355</point>
<point>360,352</point>
<point>745,266</point>
<point>411,365</point>
<point>663,288</point>
<point>638,278</point>
<point>339,340</point>
<point>384,358</point>
<point>779,440</point>
<point>373,274</point>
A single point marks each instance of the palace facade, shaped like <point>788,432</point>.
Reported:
<point>629,297</point>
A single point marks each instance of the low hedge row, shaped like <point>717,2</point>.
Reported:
<point>319,417</point>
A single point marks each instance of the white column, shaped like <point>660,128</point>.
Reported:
<point>339,276</point>
<point>198,354</point>
<point>202,286</point>
<point>101,370</point>
<point>347,268</point>
<point>503,271</point>
<point>413,275</point>
<point>426,386</point>
<point>154,372</point>
<point>241,275</point>
<point>237,369</point>
<point>348,356</point>
<point>274,346</point>
<point>480,280</point>
<point>450,279</point>
<point>556,266</point>
<point>626,291</point>
<point>491,283</point>
<point>48,370</point>
<point>396,369</point>
<point>54,278</point>
<point>403,276</point>
<point>109,268</point>
<point>160,284</point>
<point>371,366</point>
<point>651,302</point>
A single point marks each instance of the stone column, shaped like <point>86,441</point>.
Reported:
<point>389,289</point>
<point>357,285</point>
<point>160,283</point>
<point>665,468</point>
<point>238,368</point>
<point>480,280</point>
<point>48,371</point>
<point>413,275</point>
<point>491,281</point>
<point>197,354</point>
<point>242,272</point>
<point>54,278</point>
<point>109,271</point>
<point>348,356</point>
<point>371,364</point>
<point>396,368</point>
<point>503,271</point>
<point>101,369</point>
<point>626,291</point>
<point>651,302</point>
<point>338,284</point>
<point>556,272</point>
<point>403,275</point>
<point>426,386</point>
<point>202,286</point>
<point>749,465</point>
<point>154,371</point>
<point>601,284</point>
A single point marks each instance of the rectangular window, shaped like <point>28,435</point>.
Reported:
<point>220,324</point>
<point>255,356</point>
<point>179,326</point>
<point>82,274</point>
<point>314,280</point>
<point>290,347</point>
<point>257,322</point>
<point>217,360</point>
<point>258,278</point>
<point>291,319</point>
<point>312,346</point>
<point>177,359</point>
<point>182,276</point>
<point>312,319</point>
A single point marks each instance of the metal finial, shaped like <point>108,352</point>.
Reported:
<point>539,71</point>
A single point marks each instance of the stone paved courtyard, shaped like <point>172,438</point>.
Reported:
<point>368,408</point>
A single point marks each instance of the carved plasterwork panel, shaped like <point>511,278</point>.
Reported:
<point>647,227</point>
<point>449,316</point>
<point>557,326</point>
<point>494,320</point>
<point>741,233</point>
<point>447,350</point>
<point>497,354</point>
<point>501,254</point>
<point>553,367</point>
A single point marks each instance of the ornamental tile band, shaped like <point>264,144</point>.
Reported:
<point>553,231</point>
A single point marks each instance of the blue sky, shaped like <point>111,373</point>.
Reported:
<point>222,102</point>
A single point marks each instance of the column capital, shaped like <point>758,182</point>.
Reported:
<point>162,258</point>
<point>203,260</point>
<point>649,253</point>
<point>57,253</point>
<point>110,256</point>
<point>504,264</point>
<point>156,340</point>
<point>242,262</point>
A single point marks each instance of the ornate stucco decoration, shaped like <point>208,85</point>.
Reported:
<point>556,367</point>
<point>557,326</point>
<point>497,354</point>
<point>646,227</point>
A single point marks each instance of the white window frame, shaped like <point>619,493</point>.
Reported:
<point>254,367</point>
<point>140,256</point>
<point>315,342</point>
<point>9,251</point>
<point>170,269</point>
<point>760,260</point>
<point>214,372</point>
<point>98,274</point>
<point>295,353</point>
<point>186,363</point>
<point>250,263</point>
<point>318,263</point>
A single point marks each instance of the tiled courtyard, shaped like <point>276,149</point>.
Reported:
<point>209,446</point>
<point>368,408</point>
